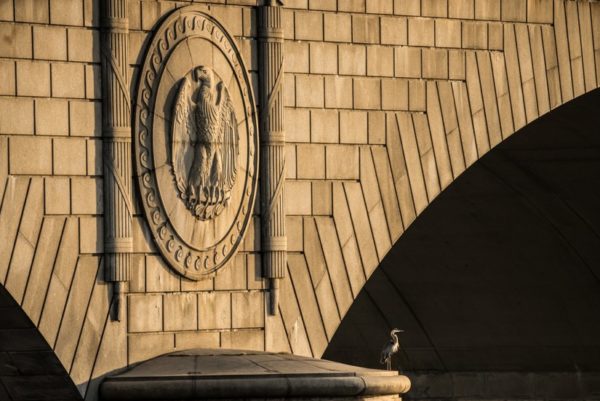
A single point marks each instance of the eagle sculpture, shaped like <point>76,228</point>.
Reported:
<point>204,143</point>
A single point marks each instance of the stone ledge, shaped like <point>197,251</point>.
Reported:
<point>235,374</point>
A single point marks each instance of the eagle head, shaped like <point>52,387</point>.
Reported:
<point>204,74</point>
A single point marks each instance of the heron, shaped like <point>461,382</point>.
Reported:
<point>390,348</point>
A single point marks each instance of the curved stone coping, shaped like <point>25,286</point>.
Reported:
<point>230,374</point>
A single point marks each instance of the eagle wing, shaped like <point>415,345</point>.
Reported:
<point>183,135</point>
<point>230,137</point>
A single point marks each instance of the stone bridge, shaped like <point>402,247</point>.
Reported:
<point>387,103</point>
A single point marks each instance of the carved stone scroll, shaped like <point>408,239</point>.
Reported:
<point>274,241</point>
<point>116,131</point>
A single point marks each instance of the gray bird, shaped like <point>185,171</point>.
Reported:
<point>390,348</point>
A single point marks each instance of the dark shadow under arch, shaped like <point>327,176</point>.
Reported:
<point>501,273</point>
<point>29,369</point>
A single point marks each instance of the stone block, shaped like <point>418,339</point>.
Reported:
<point>247,309</point>
<point>68,80</point>
<point>296,57</point>
<point>145,313</point>
<point>141,347</point>
<point>17,116</point>
<point>91,234</point>
<point>487,9</point>
<point>159,276</point>
<point>474,35</point>
<point>85,118</point>
<point>142,237</point>
<point>407,61</point>
<point>338,27</point>
<point>233,275</point>
<point>380,6</point>
<point>324,126</point>
<point>33,78</point>
<point>16,40</point>
<point>297,125</point>
<point>421,32</point>
<point>66,12</point>
<point>456,64</point>
<point>300,191</point>
<point>416,95</point>
<point>540,11</point>
<point>353,126</point>
<point>435,63</point>
<point>69,156</point>
<point>49,43</point>
<point>243,339</point>
<point>308,25</point>
<point>51,117</point>
<point>380,61</point>
<point>342,171</point>
<point>254,271</point>
<point>325,5</point>
<point>407,7</point>
<point>310,161</point>
<point>323,58</point>
<point>352,6</point>
<point>214,310</point>
<point>394,94</point>
<point>229,16</point>
<point>338,92</point>
<point>200,285</point>
<point>434,8</point>
<point>199,339</point>
<point>180,311</point>
<point>464,9</point>
<point>93,86</point>
<point>7,83</point>
<point>310,91</point>
<point>376,127</point>
<point>352,60</point>
<point>514,10</point>
<point>394,31</point>
<point>91,14</point>
<point>289,90</point>
<point>31,11</point>
<point>137,283</point>
<point>86,195</point>
<point>447,33</point>
<point>295,234</point>
<point>322,198</point>
<point>290,161</point>
<point>365,29</point>
<point>495,36</point>
<point>57,195</point>
<point>94,157</point>
<point>30,155</point>
<point>287,20</point>
<point>84,45</point>
<point>7,13</point>
<point>367,93</point>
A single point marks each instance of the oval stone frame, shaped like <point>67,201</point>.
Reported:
<point>191,251</point>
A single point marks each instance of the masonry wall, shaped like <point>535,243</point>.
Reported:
<point>386,103</point>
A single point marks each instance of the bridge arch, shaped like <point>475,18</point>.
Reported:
<point>29,368</point>
<point>498,280</point>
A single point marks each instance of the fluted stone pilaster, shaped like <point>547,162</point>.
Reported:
<point>274,241</point>
<point>116,130</point>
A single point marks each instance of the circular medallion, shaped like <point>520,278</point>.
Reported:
<point>196,137</point>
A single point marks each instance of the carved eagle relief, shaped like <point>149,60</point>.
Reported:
<point>204,143</point>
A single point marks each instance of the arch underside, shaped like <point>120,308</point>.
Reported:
<point>29,369</point>
<point>501,272</point>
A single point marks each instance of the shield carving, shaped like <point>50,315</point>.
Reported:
<point>196,142</point>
